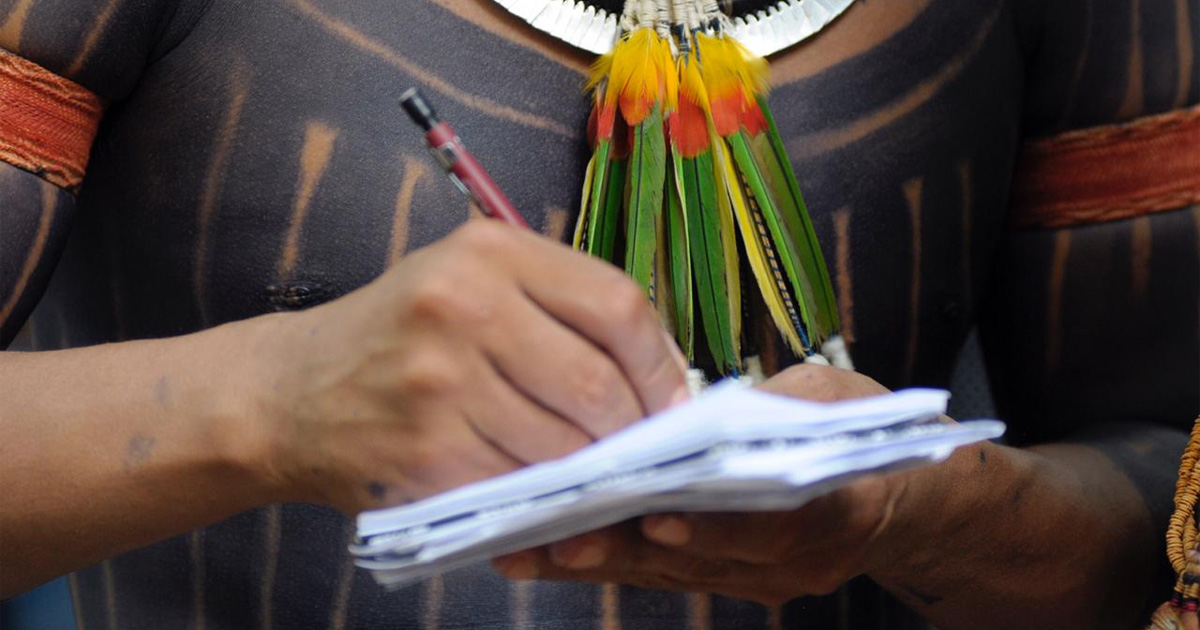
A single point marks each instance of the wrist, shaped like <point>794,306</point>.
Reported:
<point>938,508</point>
<point>243,410</point>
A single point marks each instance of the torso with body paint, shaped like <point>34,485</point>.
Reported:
<point>259,162</point>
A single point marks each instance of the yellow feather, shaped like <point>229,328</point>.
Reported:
<point>728,68</point>
<point>719,77</point>
<point>751,69</point>
<point>666,64</point>
<point>601,68</point>
<point>691,84</point>
<point>732,191</point>
<point>581,226</point>
<point>638,69</point>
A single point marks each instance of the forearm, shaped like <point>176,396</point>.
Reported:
<point>108,448</point>
<point>1053,537</point>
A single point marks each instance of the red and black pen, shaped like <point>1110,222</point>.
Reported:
<point>464,170</point>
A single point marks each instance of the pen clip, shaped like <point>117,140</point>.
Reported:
<point>458,183</point>
<point>445,154</point>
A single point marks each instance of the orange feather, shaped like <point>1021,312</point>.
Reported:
<point>753,119</point>
<point>688,129</point>
<point>688,126</point>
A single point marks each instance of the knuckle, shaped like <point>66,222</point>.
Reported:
<point>438,299</point>
<point>484,237</point>
<point>594,387</point>
<point>627,303</point>
<point>430,374</point>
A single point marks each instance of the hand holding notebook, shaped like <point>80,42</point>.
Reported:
<point>731,449</point>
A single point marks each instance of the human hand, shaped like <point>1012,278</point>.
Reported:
<point>492,349</point>
<point>769,557</point>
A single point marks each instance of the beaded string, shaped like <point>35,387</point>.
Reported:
<point>1183,546</point>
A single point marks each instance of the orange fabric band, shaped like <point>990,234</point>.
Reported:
<point>47,123</point>
<point>1108,173</point>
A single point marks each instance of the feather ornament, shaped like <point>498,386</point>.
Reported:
<point>702,182</point>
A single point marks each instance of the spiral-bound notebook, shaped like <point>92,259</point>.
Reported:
<point>732,449</point>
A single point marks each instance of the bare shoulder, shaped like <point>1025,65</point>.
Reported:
<point>103,45</point>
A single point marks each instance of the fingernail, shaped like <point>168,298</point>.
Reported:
<point>676,352</point>
<point>667,530</point>
<point>519,567</point>
<point>576,555</point>
<point>681,395</point>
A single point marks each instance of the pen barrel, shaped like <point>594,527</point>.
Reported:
<point>455,158</point>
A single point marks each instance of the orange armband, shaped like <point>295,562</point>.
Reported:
<point>47,123</point>
<point>1109,173</point>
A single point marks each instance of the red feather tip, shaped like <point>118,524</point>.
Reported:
<point>753,119</point>
<point>726,113</point>
<point>600,120</point>
<point>635,109</point>
<point>608,115</point>
<point>688,129</point>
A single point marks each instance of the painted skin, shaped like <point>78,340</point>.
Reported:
<point>253,160</point>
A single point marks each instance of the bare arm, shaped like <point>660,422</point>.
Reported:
<point>105,448</point>
<point>999,537</point>
<point>463,361</point>
<point>108,448</point>
<point>426,379</point>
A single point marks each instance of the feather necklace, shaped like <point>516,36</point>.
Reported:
<point>689,187</point>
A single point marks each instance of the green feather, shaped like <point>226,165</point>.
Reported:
<point>647,170</point>
<point>709,261</point>
<point>680,259</point>
<point>604,203</point>
<point>600,208</point>
<point>777,168</point>
<point>591,211</point>
<point>609,223</point>
<point>800,291</point>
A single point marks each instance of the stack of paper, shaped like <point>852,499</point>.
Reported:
<point>732,449</point>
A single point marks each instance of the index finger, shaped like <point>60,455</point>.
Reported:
<point>600,303</point>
